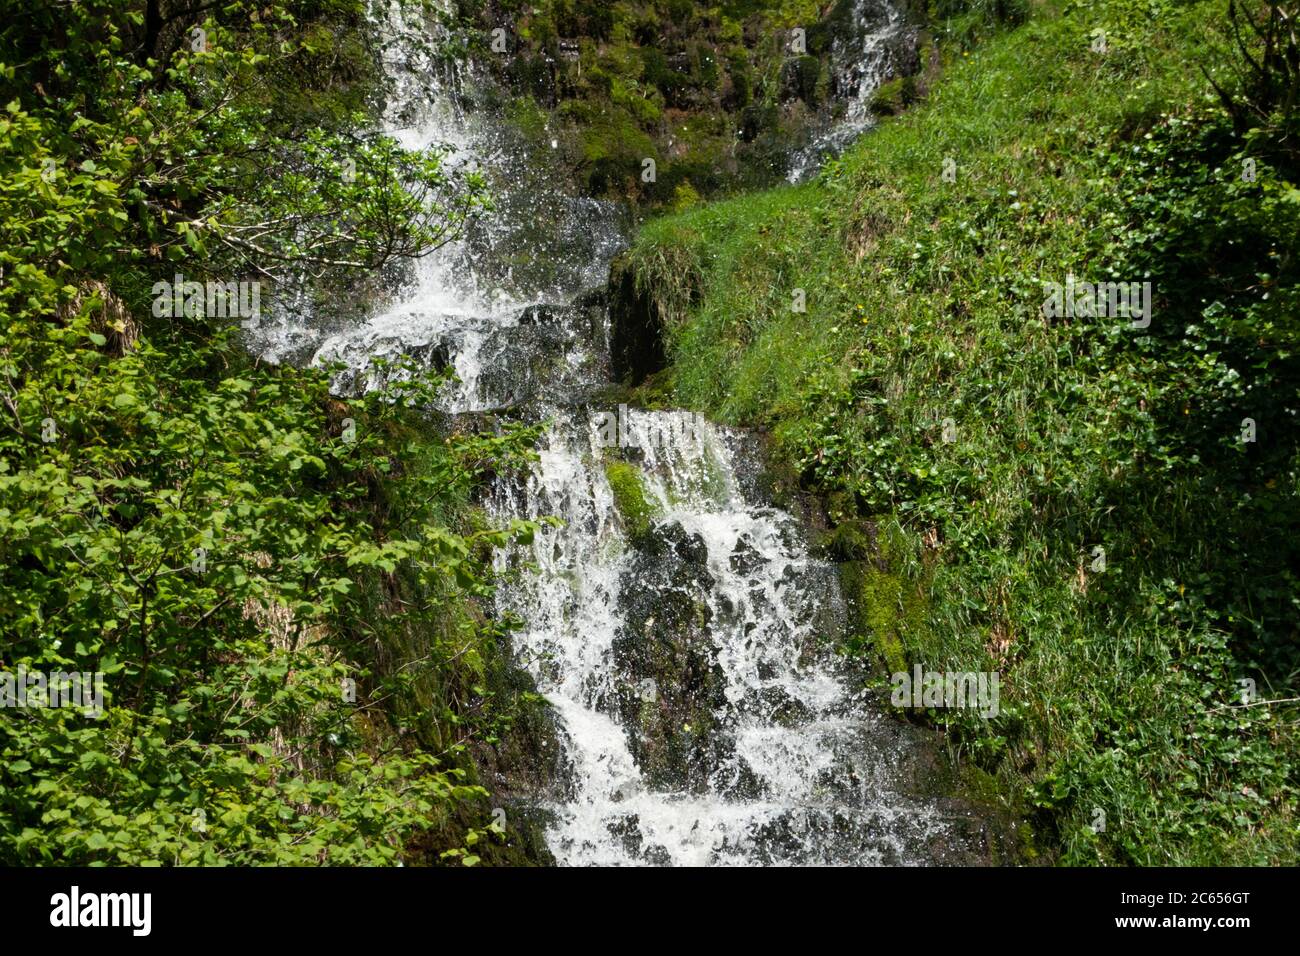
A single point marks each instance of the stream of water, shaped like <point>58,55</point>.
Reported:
<point>861,59</point>
<point>704,716</point>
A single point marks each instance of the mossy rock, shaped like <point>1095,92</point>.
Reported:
<point>888,609</point>
<point>635,507</point>
<point>673,688</point>
<point>804,78</point>
<point>895,96</point>
<point>851,540</point>
<point>624,80</point>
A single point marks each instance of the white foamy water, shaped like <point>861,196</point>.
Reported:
<point>820,790</point>
<point>445,309</point>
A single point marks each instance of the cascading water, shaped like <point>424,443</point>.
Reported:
<point>704,714</point>
<point>862,57</point>
<point>496,306</point>
<point>687,649</point>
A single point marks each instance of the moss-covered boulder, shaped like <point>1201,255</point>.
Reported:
<point>887,605</point>
<point>521,765</point>
<point>634,504</point>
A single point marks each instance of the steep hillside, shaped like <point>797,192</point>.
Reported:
<point>1102,509</point>
<point>718,97</point>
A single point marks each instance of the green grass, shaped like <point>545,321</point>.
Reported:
<point>922,301</point>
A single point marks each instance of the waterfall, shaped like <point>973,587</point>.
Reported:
<point>689,659</point>
<point>753,750</point>
<point>497,304</point>
<point>862,58</point>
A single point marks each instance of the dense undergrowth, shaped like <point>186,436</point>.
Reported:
<point>283,591</point>
<point>1106,514</point>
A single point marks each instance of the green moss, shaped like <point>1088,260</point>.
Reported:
<point>706,66</point>
<point>889,607</point>
<point>613,146</point>
<point>529,118</point>
<point>1013,839</point>
<point>634,506</point>
<point>684,196</point>
<point>850,540</point>
<point>894,97</point>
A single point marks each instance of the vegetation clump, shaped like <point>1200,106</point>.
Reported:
<point>283,591</point>
<point>718,97</point>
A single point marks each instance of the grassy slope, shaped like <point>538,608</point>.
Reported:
<point>921,300</point>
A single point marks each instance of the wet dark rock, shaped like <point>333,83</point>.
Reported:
<point>803,78</point>
<point>745,558</point>
<point>434,355</point>
<point>775,705</point>
<point>523,770</point>
<point>673,685</point>
<point>595,297</point>
<point>636,342</point>
<point>526,758</point>
<point>658,856</point>
<point>627,831</point>
<point>539,315</point>
<point>736,780</point>
<point>548,353</point>
<point>690,549</point>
